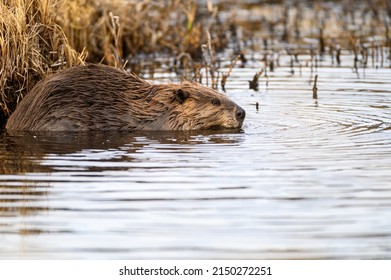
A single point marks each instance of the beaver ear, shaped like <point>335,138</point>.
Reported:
<point>181,95</point>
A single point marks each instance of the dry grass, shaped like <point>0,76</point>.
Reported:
<point>31,46</point>
<point>114,30</point>
<point>38,37</point>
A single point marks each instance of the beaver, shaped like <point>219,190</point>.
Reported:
<point>99,97</point>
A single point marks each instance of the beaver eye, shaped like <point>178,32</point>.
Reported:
<point>216,102</point>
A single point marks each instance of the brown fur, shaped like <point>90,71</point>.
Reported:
<point>97,97</point>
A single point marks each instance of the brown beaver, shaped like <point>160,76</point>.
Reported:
<point>98,97</point>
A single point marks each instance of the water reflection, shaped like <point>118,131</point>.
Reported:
<point>43,143</point>
<point>32,163</point>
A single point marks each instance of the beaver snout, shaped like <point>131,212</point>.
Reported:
<point>240,114</point>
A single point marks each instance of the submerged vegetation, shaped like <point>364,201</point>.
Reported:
<point>40,37</point>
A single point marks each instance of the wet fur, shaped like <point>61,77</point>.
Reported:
<point>97,97</point>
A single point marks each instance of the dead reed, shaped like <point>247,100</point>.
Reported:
<point>321,29</point>
<point>315,88</point>
<point>32,45</point>
<point>116,30</point>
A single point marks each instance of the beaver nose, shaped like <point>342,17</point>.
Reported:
<point>240,114</point>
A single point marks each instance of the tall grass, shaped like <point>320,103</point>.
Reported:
<point>32,45</point>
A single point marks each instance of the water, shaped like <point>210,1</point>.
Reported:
<point>305,178</point>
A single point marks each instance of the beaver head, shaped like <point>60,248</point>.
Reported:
<point>191,106</point>
<point>98,97</point>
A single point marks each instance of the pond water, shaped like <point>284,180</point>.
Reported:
<point>304,178</point>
